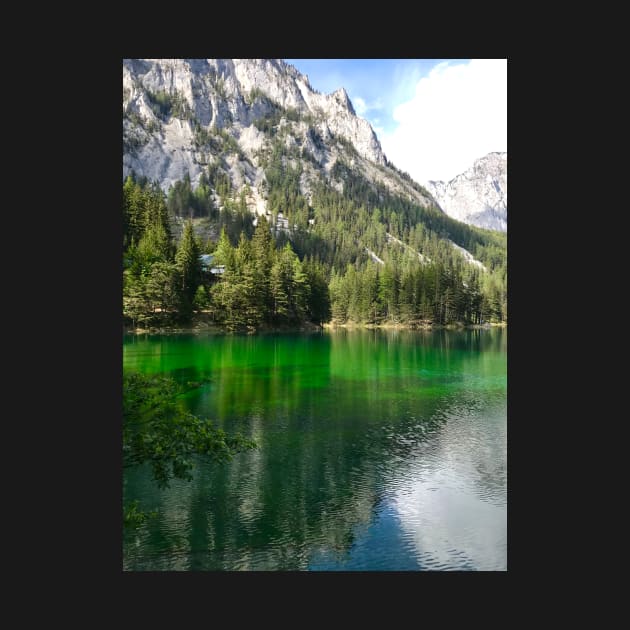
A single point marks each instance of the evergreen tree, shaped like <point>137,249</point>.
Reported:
<point>227,294</point>
<point>156,213</point>
<point>407,297</point>
<point>299,290</point>
<point>188,268</point>
<point>162,291</point>
<point>263,255</point>
<point>154,246</point>
<point>136,304</point>
<point>340,298</point>
<point>247,283</point>
<point>319,296</point>
<point>133,213</point>
<point>279,280</point>
<point>370,304</point>
<point>224,253</point>
<point>388,291</point>
<point>319,269</point>
<point>201,300</point>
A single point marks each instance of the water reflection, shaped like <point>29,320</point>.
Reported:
<point>378,451</point>
<point>453,515</point>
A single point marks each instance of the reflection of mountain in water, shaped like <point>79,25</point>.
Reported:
<point>352,427</point>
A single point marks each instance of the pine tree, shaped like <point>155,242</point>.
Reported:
<point>188,268</point>
<point>161,289</point>
<point>388,291</point>
<point>154,246</point>
<point>263,255</point>
<point>354,279</point>
<point>339,298</point>
<point>201,300</point>
<point>370,294</point>
<point>287,296</point>
<point>133,213</point>
<point>319,296</point>
<point>156,213</point>
<point>407,297</point>
<point>224,253</point>
<point>299,290</point>
<point>246,279</point>
<point>136,305</point>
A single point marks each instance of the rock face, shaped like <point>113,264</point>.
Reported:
<point>181,116</point>
<point>478,196</point>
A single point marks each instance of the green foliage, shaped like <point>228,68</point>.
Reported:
<point>225,143</point>
<point>202,299</point>
<point>289,290</point>
<point>262,284</point>
<point>254,94</point>
<point>188,270</point>
<point>205,138</point>
<point>138,133</point>
<point>182,201</point>
<point>151,296</point>
<point>409,292</point>
<point>165,104</point>
<point>152,284</point>
<point>318,302</point>
<point>161,286</point>
<point>311,272</point>
<point>134,517</point>
<point>292,114</point>
<point>263,254</point>
<point>154,245</point>
<point>273,113</point>
<point>283,186</point>
<point>224,254</point>
<point>159,431</point>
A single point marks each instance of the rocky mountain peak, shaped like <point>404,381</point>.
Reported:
<point>184,116</point>
<point>477,196</point>
<point>173,107</point>
<point>341,96</point>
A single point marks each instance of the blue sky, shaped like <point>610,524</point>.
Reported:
<point>434,117</point>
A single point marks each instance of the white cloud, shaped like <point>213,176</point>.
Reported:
<point>458,114</point>
<point>359,105</point>
<point>377,104</point>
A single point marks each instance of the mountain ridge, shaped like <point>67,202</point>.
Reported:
<point>229,95</point>
<point>292,194</point>
<point>478,196</point>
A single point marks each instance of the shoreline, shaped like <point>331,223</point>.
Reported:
<point>393,326</point>
<point>206,328</point>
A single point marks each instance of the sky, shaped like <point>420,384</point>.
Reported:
<point>433,117</point>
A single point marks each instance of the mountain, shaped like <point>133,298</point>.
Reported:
<point>179,115</point>
<point>296,212</point>
<point>478,196</point>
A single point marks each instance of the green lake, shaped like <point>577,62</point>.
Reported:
<point>378,450</point>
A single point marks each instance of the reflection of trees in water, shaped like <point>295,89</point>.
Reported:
<point>265,514</point>
<point>275,508</point>
<point>332,431</point>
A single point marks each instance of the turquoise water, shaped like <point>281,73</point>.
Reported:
<point>379,450</point>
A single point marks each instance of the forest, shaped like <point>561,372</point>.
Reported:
<point>360,255</point>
